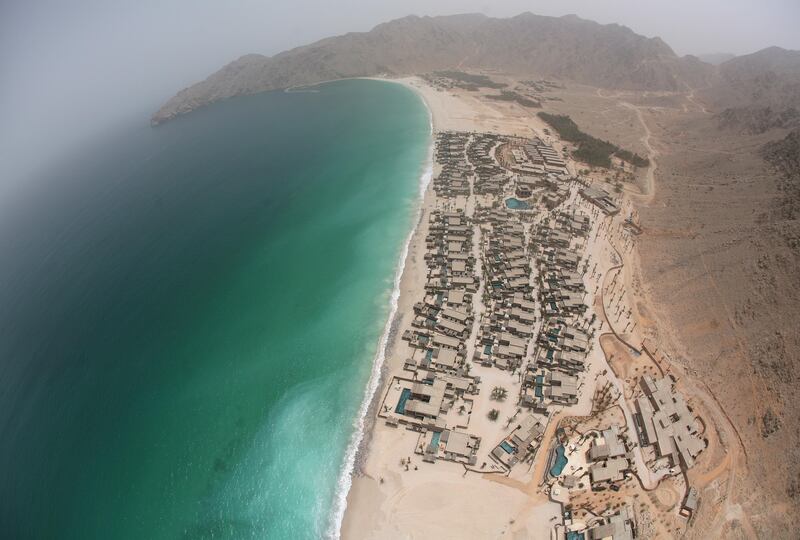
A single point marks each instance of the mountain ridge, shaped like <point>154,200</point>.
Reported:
<point>568,48</point>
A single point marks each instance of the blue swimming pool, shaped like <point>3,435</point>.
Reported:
<point>560,461</point>
<point>401,403</point>
<point>505,445</point>
<point>516,204</point>
<point>435,438</point>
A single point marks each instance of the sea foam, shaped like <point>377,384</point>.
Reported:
<point>346,474</point>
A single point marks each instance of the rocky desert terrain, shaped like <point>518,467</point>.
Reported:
<point>718,263</point>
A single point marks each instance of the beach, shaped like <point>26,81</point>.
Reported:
<point>407,489</point>
<point>385,501</point>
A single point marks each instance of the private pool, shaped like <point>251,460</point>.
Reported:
<point>516,204</point>
<point>559,462</point>
<point>507,447</point>
<point>435,438</point>
<point>401,403</point>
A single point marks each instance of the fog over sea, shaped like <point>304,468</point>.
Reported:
<point>189,316</point>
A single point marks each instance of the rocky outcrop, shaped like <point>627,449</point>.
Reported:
<point>769,78</point>
<point>784,155</point>
<point>756,120</point>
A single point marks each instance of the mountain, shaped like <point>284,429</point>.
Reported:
<point>784,155</point>
<point>567,48</point>
<point>758,91</point>
<point>715,59</point>
<point>769,77</point>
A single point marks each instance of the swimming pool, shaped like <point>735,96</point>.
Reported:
<point>505,445</point>
<point>401,403</point>
<point>560,462</point>
<point>516,204</point>
<point>435,438</point>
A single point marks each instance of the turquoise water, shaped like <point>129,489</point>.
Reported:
<point>189,315</point>
<point>559,462</point>
<point>537,389</point>
<point>516,204</point>
<point>401,403</point>
<point>507,447</point>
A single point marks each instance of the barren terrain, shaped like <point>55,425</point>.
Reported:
<point>718,278</point>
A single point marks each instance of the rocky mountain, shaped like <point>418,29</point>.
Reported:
<point>770,76</point>
<point>567,48</point>
<point>758,91</point>
<point>716,59</point>
<point>784,155</point>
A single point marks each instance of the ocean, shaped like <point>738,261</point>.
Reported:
<point>190,316</point>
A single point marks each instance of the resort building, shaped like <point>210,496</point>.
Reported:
<point>664,421</point>
<point>609,446</point>
<point>617,527</point>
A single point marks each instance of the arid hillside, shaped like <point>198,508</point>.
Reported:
<point>757,92</point>
<point>567,48</point>
<point>719,258</point>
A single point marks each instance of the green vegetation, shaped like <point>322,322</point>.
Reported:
<point>634,159</point>
<point>493,414</point>
<point>566,128</point>
<point>470,81</point>
<point>508,95</point>
<point>595,152</point>
<point>499,393</point>
<point>591,150</point>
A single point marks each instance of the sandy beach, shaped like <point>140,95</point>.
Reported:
<point>397,494</point>
<point>386,501</point>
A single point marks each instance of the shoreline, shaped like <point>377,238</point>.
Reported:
<point>362,516</point>
<point>358,445</point>
<point>408,482</point>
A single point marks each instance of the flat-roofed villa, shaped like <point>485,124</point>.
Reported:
<point>664,421</point>
<point>609,470</point>
<point>616,527</point>
<point>450,445</point>
<point>610,445</point>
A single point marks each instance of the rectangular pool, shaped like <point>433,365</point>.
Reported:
<point>401,403</point>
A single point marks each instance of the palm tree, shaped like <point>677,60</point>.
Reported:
<point>493,414</point>
<point>499,393</point>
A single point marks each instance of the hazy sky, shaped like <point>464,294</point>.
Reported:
<point>72,67</point>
